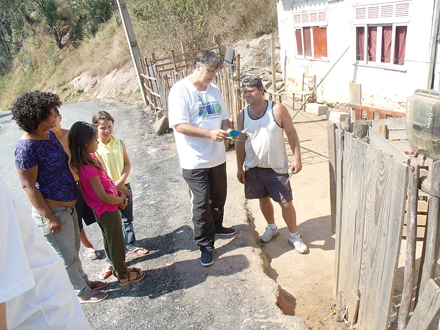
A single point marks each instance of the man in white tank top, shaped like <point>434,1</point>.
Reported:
<point>261,149</point>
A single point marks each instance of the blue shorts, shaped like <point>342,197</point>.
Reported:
<point>263,182</point>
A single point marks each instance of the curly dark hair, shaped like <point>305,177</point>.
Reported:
<point>30,109</point>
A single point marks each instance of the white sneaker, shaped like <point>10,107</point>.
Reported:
<point>298,244</point>
<point>269,234</point>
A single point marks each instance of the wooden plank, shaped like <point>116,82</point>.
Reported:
<point>395,114</point>
<point>339,144</point>
<point>380,143</point>
<point>383,131</point>
<point>410,254</point>
<point>355,93</point>
<point>332,172</point>
<point>427,307</point>
<point>432,230</point>
<point>385,206</point>
<point>353,306</point>
<point>392,123</point>
<point>351,223</point>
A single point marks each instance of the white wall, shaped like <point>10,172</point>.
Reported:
<point>381,87</point>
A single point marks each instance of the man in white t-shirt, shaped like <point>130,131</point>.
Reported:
<point>200,119</point>
<point>35,291</point>
<point>264,157</point>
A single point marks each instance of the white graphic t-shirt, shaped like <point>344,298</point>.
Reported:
<point>205,109</point>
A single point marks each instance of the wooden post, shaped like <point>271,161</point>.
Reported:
<point>339,144</point>
<point>132,43</point>
<point>174,60</point>
<point>427,308</point>
<point>238,95</point>
<point>410,256</point>
<point>183,54</point>
<point>332,171</point>
<point>432,229</point>
<point>274,73</point>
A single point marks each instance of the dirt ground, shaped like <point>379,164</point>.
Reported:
<point>305,281</point>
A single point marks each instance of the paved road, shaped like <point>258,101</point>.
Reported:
<point>178,292</point>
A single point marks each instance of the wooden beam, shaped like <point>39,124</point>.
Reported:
<point>368,109</point>
<point>380,143</point>
<point>427,308</point>
<point>274,74</point>
<point>332,172</point>
<point>432,230</point>
<point>410,255</point>
<point>339,144</point>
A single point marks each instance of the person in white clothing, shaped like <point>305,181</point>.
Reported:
<point>200,119</point>
<point>261,149</point>
<point>35,291</point>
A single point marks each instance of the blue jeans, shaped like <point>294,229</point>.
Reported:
<point>127,222</point>
<point>66,245</point>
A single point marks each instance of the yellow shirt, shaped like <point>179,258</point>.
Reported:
<point>111,155</point>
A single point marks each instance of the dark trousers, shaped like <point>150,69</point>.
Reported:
<point>111,227</point>
<point>208,195</point>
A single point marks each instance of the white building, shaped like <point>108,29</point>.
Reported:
<point>393,47</point>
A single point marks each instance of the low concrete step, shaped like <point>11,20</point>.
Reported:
<point>316,108</point>
<point>337,116</point>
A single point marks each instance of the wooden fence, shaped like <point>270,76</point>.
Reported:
<point>375,188</point>
<point>161,73</point>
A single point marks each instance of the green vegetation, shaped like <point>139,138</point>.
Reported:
<point>45,44</point>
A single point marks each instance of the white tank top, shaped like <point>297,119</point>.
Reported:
<point>264,145</point>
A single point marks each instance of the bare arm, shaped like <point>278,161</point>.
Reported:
<point>27,179</point>
<point>125,171</point>
<point>226,125</point>
<point>102,195</point>
<point>240,151</point>
<point>283,118</point>
<point>3,324</point>
<point>215,134</point>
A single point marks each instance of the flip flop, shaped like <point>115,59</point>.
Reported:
<point>105,273</point>
<point>140,251</point>
<point>98,285</point>
<point>97,254</point>
<point>90,299</point>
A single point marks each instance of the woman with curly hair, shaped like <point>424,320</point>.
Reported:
<point>44,173</point>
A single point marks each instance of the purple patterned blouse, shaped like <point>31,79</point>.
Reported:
<point>54,180</point>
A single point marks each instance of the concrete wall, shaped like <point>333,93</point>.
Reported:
<point>382,87</point>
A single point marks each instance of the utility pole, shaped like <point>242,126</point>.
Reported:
<point>132,44</point>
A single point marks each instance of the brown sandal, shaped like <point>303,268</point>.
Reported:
<point>139,277</point>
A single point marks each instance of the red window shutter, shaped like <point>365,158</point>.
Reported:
<point>307,41</point>
<point>372,40</point>
<point>360,43</point>
<point>400,45</point>
<point>319,42</point>
<point>387,34</point>
<point>299,46</point>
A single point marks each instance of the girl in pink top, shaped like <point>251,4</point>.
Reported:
<point>103,197</point>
